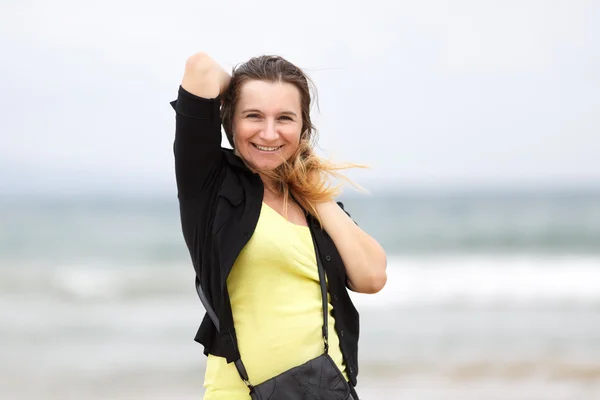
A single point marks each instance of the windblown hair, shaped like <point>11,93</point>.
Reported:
<point>305,176</point>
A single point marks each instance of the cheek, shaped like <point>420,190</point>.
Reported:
<point>292,136</point>
<point>241,133</point>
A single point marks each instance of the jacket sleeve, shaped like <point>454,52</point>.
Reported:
<point>197,145</point>
<point>339,203</point>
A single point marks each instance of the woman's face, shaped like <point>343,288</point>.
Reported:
<point>267,123</point>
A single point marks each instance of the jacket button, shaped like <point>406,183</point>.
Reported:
<point>335,296</point>
<point>342,333</point>
<point>328,258</point>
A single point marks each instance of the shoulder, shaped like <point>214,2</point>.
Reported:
<point>233,160</point>
<point>238,182</point>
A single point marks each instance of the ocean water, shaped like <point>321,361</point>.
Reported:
<point>489,296</point>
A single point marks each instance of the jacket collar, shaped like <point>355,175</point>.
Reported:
<point>234,160</point>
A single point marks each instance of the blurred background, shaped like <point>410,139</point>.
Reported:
<point>480,120</point>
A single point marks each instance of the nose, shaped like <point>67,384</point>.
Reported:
<point>270,131</point>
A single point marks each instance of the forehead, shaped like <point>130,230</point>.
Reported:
<point>269,96</point>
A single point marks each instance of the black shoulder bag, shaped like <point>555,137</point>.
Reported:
<point>317,379</point>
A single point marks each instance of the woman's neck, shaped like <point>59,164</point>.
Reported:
<point>271,193</point>
<point>270,185</point>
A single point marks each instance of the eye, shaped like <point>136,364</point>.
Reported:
<point>286,117</point>
<point>252,115</point>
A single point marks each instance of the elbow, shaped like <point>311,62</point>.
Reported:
<point>375,280</point>
<point>201,76</point>
<point>369,285</point>
<point>199,63</point>
<point>379,275</point>
<point>379,282</point>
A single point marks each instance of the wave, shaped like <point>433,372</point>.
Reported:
<point>431,281</point>
<point>484,281</point>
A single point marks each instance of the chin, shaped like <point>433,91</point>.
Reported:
<point>263,162</point>
<point>266,166</point>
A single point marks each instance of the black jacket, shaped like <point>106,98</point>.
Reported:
<point>220,201</point>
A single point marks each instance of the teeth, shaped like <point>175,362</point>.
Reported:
<point>264,148</point>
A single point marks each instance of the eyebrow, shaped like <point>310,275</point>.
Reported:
<point>260,112</point>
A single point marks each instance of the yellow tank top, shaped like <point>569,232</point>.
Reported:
<point>277,308</point>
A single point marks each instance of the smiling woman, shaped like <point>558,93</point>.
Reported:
<point>284,283</point>
<point>268,124</point>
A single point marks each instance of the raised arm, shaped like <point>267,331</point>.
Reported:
<point>197,145</point>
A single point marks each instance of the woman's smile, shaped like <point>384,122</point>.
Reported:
<point>266,149</point>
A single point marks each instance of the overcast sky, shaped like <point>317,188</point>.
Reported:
<point>429,93</point>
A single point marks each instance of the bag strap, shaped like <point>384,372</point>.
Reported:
<point>209,310</point>
<point>213,316</point>
<point>239,365</point>
<point>323,284</point>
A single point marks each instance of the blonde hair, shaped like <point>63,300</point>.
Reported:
<point>305,176</point>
